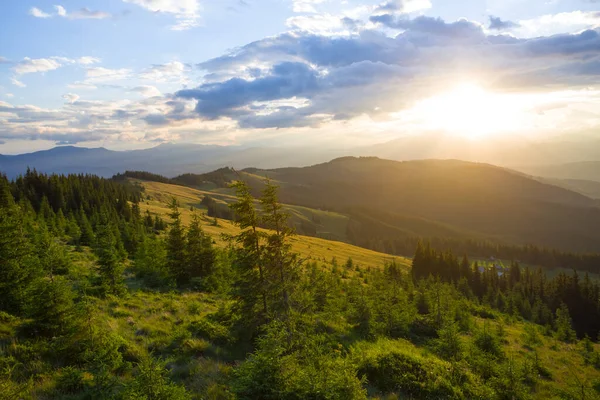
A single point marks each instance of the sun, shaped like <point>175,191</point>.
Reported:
<point>470,111</point>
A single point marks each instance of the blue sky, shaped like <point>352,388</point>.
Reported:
<point>136,73</point>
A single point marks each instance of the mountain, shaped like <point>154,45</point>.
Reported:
<point>551,158</point>
<point>166,159</point>
<point>587,188</point>
<point>436,198</point>
<point>588,170</point>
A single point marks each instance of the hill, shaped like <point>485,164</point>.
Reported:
<point>157,196</point>
<point>432,198</point>
<point>589,170</point>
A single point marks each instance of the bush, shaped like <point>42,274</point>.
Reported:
<point>210,330</point>
<point>70,381</point>
<point>488,343</point>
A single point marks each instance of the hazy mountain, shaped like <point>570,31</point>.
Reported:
<point>589,171</point>
<point>167,159</point>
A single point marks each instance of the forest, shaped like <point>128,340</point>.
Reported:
<point>103,301</point>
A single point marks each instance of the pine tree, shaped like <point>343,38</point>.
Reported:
<point>52,308</point>
<point>86,238</point>
<point>564,325</point>
<point>250,286</point>
<point>110,265</point>
<point>281,262</point>
<point>19,265</point>
<point>176,243</point>
<point>200,255</point>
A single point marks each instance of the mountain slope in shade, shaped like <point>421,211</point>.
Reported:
<point>471,198</point>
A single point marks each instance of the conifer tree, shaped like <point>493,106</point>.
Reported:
<point>19,265</point>
<point>86,238</point>
<point>250,286</point>
<point>281,262</point>
<point>200,255</point>
<point>110,265</point>
<point>176,258</point>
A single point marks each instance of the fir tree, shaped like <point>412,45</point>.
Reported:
<point>176,243</point>
<point>110,265</point>
<point>200,255</point>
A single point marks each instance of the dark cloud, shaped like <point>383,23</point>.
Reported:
<point>497,24</point>
<point>371,73</point>
<point>286,80</point>
<point>461,30</point>
<point>587,41</point>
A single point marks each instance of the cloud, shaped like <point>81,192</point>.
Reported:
<point>4,60</point>
<point>60,10</point>
<point>172,71</point>
<point>83,13</point>
<point>36,12</point>
<point>370,73</point>
<point>403,6</point>
<point>88,60</point>
<point>305,6</point>
<point>29,65</point>
<point>187,12</point>
<point>17,82</point>
<point>498,24</point>
<point>70,97</point>
<point>146,90</point>
<point>101,74</point>
<point>552,24</point>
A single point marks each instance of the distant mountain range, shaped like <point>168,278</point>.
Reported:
<point>576,164</point>
<point>166,159</point>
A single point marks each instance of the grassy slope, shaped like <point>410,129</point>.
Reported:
<point>158,196</point>
<point>156,321</point>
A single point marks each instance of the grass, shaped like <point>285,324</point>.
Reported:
<point>158,195</point>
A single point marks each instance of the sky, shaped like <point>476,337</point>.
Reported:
<point>128,74</point>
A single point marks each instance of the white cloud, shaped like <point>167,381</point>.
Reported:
<point>17,82</point>
<point>83,13</point>
<point>9,95</point>
<point>88,60</point>
<point>82,86</point>
<point>320,24</point>
<point>187,12</point>
<point>551,24</point>
<point>172,71</point>
<point>60,10</point>
<point>36,12</point>
<point>71,97</point>
<point>101,74</point>
<point>30,65</point>
<point>305,6</point>
<point>146,90</point>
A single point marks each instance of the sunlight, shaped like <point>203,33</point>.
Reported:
<point>470,111</point>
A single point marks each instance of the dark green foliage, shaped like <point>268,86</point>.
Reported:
<point>109,261</point>
<point>152,383</point>
<point>176,244</point>
<point>52,309</point>
<point>199,252</point>
<point>19,265</point>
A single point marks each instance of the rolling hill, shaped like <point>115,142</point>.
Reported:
<point>433,198</point>
<point>158,195</point>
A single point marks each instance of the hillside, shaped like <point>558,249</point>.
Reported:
<point>432,198</point>
<point>157,196</point>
